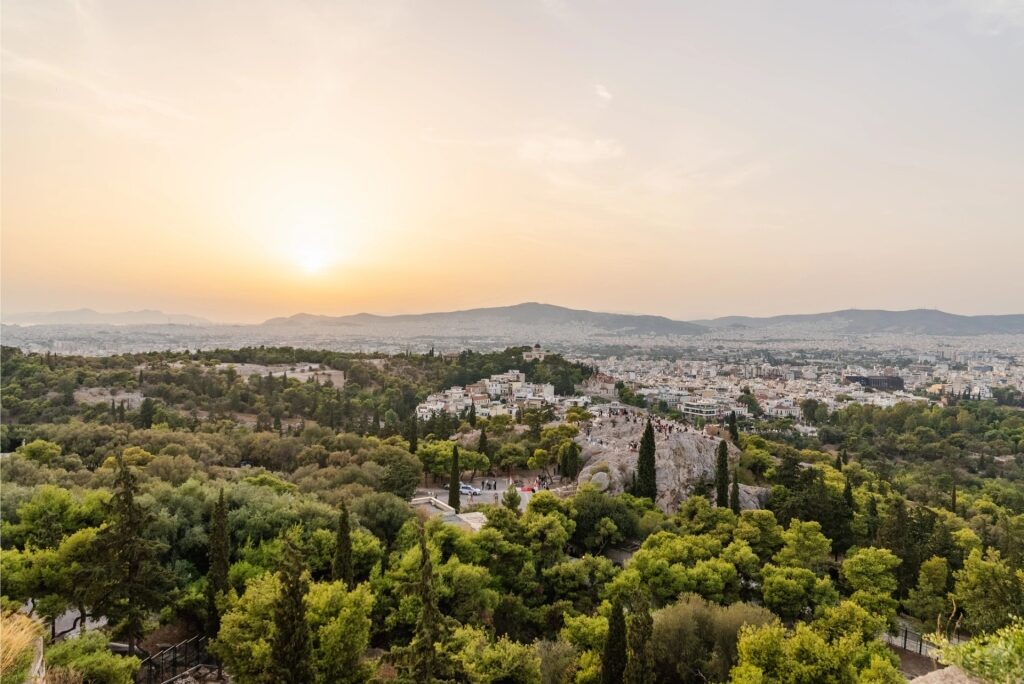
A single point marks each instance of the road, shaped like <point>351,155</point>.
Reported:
<point>486,496</point>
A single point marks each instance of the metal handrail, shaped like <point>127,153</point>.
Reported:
<point>169,663</point>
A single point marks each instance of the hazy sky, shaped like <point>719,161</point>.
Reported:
<point>245,159</point>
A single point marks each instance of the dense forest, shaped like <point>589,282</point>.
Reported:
<point>379,392</point>
<point>288,539</point>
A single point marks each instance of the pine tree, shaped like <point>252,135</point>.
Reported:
<point>646,477</point>
<point>454,481</point>
<point>734,431</point>
<point>639,656</point>
<point>613,660</point>
<point>412,434</point>
<point>511,499</point>
<point>290,651</point>
<point>734,495</point>
<point>217,575</point>
<point>341,568</point>
<point>722,475</point>
<point>127,581</point>
<point>481,446</point>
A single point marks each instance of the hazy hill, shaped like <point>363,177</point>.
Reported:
<point>522,315</point>
<point>91,317</point>
<point>544,322</point>
<point>914,321</point>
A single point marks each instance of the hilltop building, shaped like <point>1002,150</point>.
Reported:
<point>535,353</point>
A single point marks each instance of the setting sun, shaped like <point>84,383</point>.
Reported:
<point>310,258</point>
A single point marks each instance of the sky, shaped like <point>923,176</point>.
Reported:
<point>252,158</point>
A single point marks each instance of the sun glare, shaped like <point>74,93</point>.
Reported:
<point>310,260</point>
<point>312,243</point>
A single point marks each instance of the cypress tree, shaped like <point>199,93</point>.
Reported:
<point>722,475</point>
<point>217,575</point>
<point>842,538</point>
<point>453,480</point>
<point>472,414</point>
<point>147,412</point>
<point>481,446</point>
<point>430,626</point>
<point>734,495</point>
<point>613,660</point>
<point>871,519</point>
<point>341,568</point>
<point>734,431</point>
<point>851,505</point>
<point>569,460</point>
<point>413,435</point>
<point>290,652</point>
<point>646,478</point>
<point>639,656</point>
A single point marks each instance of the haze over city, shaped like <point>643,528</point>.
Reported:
<point>239,162</point>
<point>512,342</point>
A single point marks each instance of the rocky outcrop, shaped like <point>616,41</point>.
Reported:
<point>684,461</point>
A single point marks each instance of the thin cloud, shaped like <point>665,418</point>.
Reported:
<point>119,102</point>
<point>602,93</point>
<point>559,9</point>
<point>569,149</point>
<point>559,148</point>
<point>992,17</point>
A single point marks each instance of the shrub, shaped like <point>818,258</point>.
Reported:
<point>695,640</point>
<point>89,656</point>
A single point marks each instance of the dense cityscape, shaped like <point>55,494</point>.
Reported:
<point>511,342</point>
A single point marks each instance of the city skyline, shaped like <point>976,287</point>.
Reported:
<point>685,161</point>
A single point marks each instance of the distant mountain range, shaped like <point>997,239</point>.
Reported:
<point>862,321</point>
<point>527,319</point>
<point>91,317</point>
<point>530,314</point>
<point>851,321</point>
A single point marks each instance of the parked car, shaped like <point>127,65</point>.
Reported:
<point>468,489</point>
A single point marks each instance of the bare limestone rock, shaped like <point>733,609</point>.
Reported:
<point>683,460</point>
<point>600,480</point>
